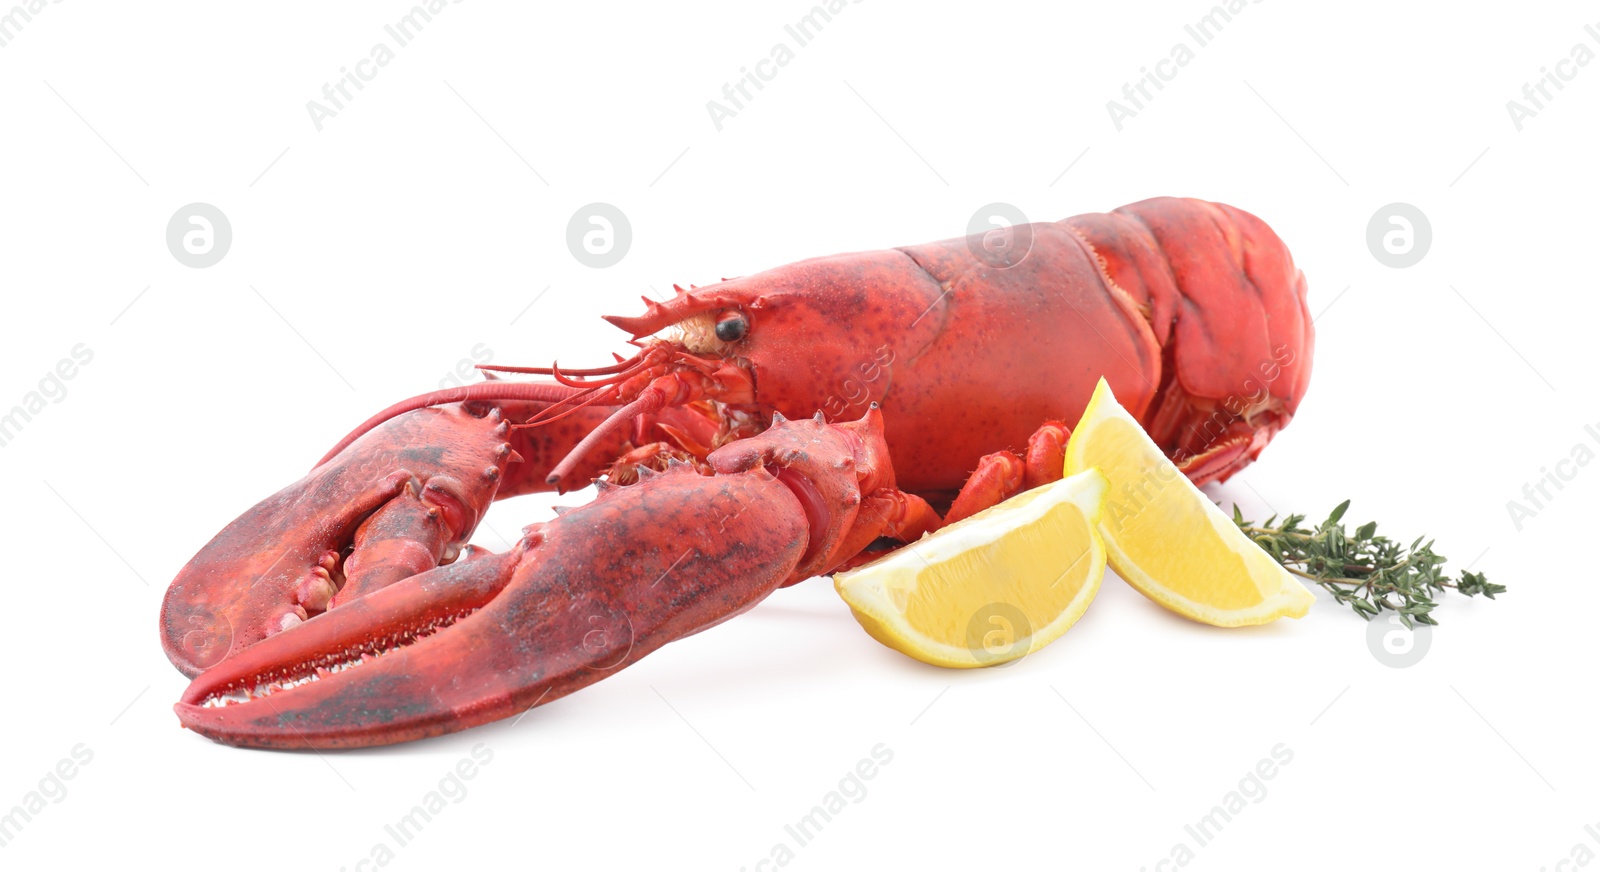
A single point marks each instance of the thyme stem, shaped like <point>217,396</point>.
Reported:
<point>1365,571</point>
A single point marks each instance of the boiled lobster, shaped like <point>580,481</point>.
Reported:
<point>777,427</point>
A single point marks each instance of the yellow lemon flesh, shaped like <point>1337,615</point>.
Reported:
<point>991,588</point>
<point>1166,538</point>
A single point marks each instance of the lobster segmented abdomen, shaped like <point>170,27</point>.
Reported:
<point>1001,349</point>
<point>1193,311</point>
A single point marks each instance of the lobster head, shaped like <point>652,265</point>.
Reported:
<point>821,334</point>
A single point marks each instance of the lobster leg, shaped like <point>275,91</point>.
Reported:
<point>1004,474</point>
<point>888,515</point>
<point>1222,458</point>
<point>1047,455</point>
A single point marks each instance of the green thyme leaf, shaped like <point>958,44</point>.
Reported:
<point>1365,571</point>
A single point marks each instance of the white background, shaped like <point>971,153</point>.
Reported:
<point>372,256</point>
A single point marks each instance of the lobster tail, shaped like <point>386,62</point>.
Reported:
<point>1228,306</point>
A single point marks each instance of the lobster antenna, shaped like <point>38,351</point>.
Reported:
<point>489,390</point>
<point>621,365</point>
<point>589,398</point>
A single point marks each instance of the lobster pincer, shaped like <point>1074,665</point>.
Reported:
<point>404,500</point>
<point>578,597</point>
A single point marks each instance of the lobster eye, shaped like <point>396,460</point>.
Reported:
<point>732,326</point>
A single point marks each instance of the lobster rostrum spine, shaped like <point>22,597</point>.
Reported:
<point>493,635</point>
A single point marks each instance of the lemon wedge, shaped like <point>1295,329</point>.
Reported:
<point>1166,538</point>
<point>992,588</point>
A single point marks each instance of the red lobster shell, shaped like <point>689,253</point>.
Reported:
<point>1193,311</point>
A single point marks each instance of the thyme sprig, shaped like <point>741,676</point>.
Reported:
<point>1365,571</point>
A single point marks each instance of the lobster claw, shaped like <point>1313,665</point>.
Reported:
<point>400,500</point>
<point>578,597</point>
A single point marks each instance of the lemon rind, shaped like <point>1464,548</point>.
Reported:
<point>1292,600</point>
<point>870,601</point>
